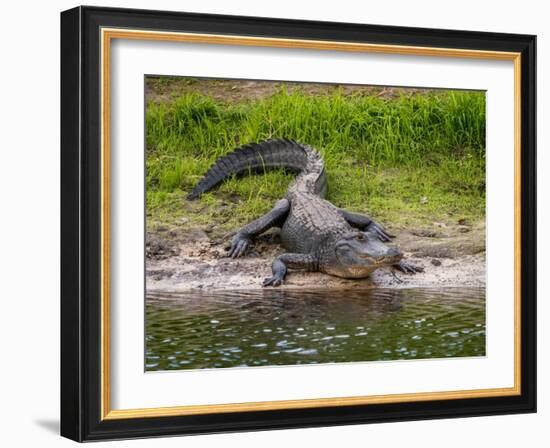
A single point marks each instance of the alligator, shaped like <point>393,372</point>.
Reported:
<point>318,236</point>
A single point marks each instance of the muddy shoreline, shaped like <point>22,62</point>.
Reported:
<point>179,260</point>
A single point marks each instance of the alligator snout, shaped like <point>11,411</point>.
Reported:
<point>393,255</point>
<point>394,252</point>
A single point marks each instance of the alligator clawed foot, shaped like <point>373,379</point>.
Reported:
<point>408,268</point>
<point>379,231</point>
<point>239,246</point>
<point>276,280</point>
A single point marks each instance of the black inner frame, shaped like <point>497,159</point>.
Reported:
<point>81,221</point>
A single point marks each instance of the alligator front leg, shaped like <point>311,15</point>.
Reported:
<point>365,222</point>
<point>408,268</point>
<point>282,263</point>
<point>243,238</point>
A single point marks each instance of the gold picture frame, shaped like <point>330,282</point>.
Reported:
<point>117,25</point>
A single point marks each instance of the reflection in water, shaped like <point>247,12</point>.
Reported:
<point>195,330</point>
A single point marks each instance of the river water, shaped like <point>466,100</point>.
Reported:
<point>198,330</point>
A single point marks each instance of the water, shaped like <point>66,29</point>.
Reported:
<point>269,327</point>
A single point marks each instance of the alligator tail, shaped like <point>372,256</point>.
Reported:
<point>263,156</point>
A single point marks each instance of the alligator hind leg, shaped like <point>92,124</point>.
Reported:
<point>282,263</point>
<point>365,222</point>
<point>243,238</point>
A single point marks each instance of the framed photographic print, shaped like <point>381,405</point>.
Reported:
<point>273,223</point>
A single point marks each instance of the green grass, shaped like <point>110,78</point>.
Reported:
<point>413,159</point>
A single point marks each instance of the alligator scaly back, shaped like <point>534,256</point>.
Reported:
<point>268,155</point>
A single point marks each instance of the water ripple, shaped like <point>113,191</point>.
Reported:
<point>195,330</point>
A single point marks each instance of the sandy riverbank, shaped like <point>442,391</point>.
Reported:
<point>452,255</point>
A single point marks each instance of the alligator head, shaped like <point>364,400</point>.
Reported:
<point>357,254</point>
